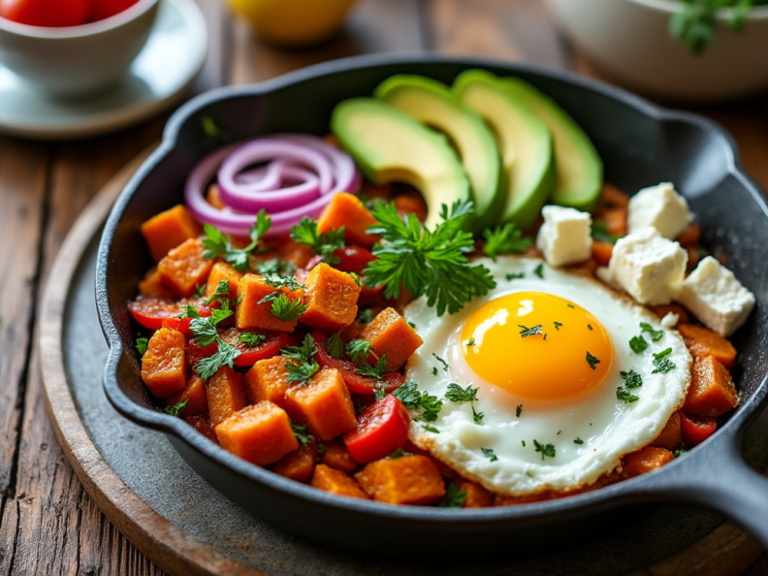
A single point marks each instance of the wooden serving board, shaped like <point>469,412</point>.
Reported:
<point>186,527</point>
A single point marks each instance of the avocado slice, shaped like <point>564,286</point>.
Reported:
<point>579,168</point>
<point>390,146</point>
<point>523,140</point>
<point>433,104</point>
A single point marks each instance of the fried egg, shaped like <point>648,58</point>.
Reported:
<point>557,401</point>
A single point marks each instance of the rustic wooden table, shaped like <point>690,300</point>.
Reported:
<point>48,524</point>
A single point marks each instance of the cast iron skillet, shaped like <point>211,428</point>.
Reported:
<point>640,145</point>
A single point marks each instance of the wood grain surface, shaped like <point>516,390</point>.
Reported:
<point>48,524</point>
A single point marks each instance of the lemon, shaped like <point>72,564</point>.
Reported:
<point>293,22</point>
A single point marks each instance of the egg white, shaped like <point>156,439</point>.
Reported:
<point>608,427</point>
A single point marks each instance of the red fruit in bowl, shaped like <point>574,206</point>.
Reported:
<point>47,13</point>
<point>101,9</point>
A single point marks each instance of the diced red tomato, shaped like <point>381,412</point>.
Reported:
<point>368,294</point>
<point>353,259</point>
<point>355,382</point>
<point>196,353</point>
<point>150,312</point>
<point>183,324</point>
<point>47,13</point>
<point>249,355</point>
<point>101,9</point>
<point>381,429</point>
<point>696,429</point>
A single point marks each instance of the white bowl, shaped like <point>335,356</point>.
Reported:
<point>77,60</point>
<point>630,41</point>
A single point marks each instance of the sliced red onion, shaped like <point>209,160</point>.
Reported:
<point>308,160</point>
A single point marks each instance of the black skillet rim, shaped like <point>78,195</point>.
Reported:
<point>634,490</point>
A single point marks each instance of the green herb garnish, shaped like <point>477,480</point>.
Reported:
<point>141,345</point>
<point>490,454</point>
<point>300,431</point>
<point>506,239</point>
<point>217,243</point>
<point>335,345</point>
<point>578,440</point>
<point>373,371</point>
<point>638,344</point>
<point>176,409</point>
<point>530,331</point>
<point>655,335</point>
<point>548,450</point>
<point>628,398</point>
<point>459,395</point>
<point>662,363</point>
<point>631,379</point>
<point>323,244</point>
<point>539,271</point>
<point>252,339</point>
<point>592,361</point>
<point>359,350</point>
<point>454,497</point>
<point>413,399</point>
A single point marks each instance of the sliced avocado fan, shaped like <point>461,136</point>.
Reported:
<point>432,103</point>
<point>390,146</point>
<point>579,168</point>
<point>523,140</point>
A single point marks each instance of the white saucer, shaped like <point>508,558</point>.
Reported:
<point>164,69</point>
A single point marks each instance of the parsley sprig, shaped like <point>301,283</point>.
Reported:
<point>654,335</point>
<point>303,366</point>
<point>454,497</point>
<point>694,24</point>
<point>359,350</point>
<point>323,244</point>
<point>141,345</point>
<point>507,239</point>
<point>335,346</point>
<point>373,370</point>
<point>427,262</point>
<point>252,339</point>
<point>216,243</point>
<point>662,363</point>
<point>176,409</point>
<point>286,309</point>
<point>545,450</point>
<point>490,454</point>
<point>413,399</point>
<point>459,395</point>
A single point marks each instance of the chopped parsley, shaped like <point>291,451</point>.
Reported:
<point>471,342</point>
<point>189,311</point>
<point>628,398</point>
<point>517,276</point>
<point>217,244</point>
<point>365,316</point>
<point>434,370</point>
<point>431,263</point>
<point>300,431</point>
<point>655,335</point>
<point>287,310</point>
<point>459,395</point>
<point>678,453</point>
<point>523,443</point>
<point>539,271</point>
<point>413,399</point>
<point>490,454</point>
<point>506,239</point>
<point>399,453</point>
<point>176,409</point>
<point>252,339</point>
<point>221,293</point>
<point>601,234</point>
<point>379,391</point>
<point>443,362</point>
<point>592,361</point>
<point>323,244</point>
<point>519,410</point>
<point>373,370</point>
<point>412,325</point>
<point>589,326</point>
<point>301,372</point>
<point>430,428</point>
<point>205,334</point>
<point>359,350</point>
<point>303,353</point>
<point>571,306</point>
<point>631,379</point>
<point>557,325</point>
<point>662,363</point>
<point>578,440</point>
<point>199,290</point>
<point>548,450</point>
<point>275,266</point>
<point>638,344</point>
<point>276,281</point>
<point>530,331</point>
<point>335,346</point>
<point>225,356</point>
<point>141,345</point>
<point>454,497</point>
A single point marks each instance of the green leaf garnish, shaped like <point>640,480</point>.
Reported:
<point>662,363</point>
<point>592,361</point>
<point>490,454</point>
<point>454,497</point>
<point>506,239</point>
<point>548,450</point>
<point>323,244</point>
<point>141,345</point>
<point>413,399</point>
<point>335,346</point>
<point>176,409</point>
<point>216,243</point>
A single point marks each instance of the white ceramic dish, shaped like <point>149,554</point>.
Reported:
<point>630,41</point>
<point>163,70</point>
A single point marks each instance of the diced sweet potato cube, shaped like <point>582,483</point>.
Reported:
<point>390,334</point>
<point>405,480</point>
<point>226,394</point>
<point>690,236</point>
<point>324,404</point>
<point>254,316</point>
<point>152,286</point>
<point>336,482</point>
<point>672,435</point>
<point>260,433</point>
<point>202,424</point>
<point>299,464</point>
<point>602,252</point>
<point>291,251</point>
<point>163,366</point>
<point>213,197</point>
<point>712,392</point>
<point>681,312</point>
<point>645,460</point>
<point>184,267</point>
<point>337,456</point>
<point>702,342</point>
<point>268,380</point>
<point>169,229</point>
<point>223,271</point>
<point>616,222</point>
<point>477,496</point>
<point>347,210</point>
<point>331,299</point>
<point>611,196</point>
<point>195,395</point>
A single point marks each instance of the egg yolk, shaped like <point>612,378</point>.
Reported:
<point>537,346</point>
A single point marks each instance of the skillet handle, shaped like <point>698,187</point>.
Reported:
<point>720,479</point>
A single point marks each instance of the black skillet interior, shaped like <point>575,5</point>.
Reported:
<point>639,144</point>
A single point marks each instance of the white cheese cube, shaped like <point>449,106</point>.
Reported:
<point>660,207</point>
<point>565,237</point>
<point>650,268</point>
<point>714,295</point>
